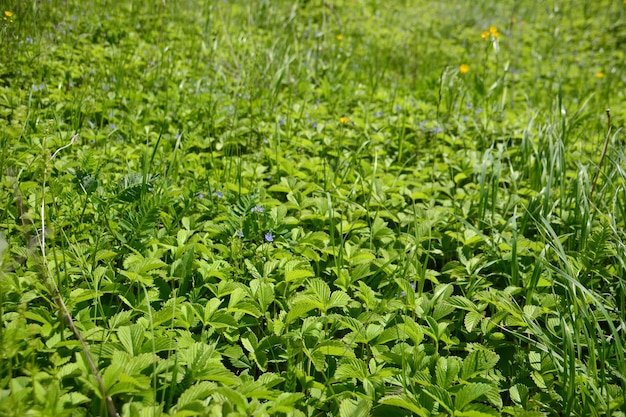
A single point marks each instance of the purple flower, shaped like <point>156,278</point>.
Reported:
<point>218,194</point>
<point>239,233</point>
<point>257,209</point>
<point>269,237</point>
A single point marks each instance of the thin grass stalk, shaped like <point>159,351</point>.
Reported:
<point>604,151</point>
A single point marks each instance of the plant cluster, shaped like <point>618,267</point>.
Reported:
<point>309,208</point>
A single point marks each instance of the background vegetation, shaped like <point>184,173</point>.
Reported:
<point>307,208</point>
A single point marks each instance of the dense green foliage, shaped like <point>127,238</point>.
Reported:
<point>311,208</point>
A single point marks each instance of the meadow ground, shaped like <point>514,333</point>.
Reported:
<point>311,208</point>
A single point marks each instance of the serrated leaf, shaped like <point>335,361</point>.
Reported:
<point>334,348</point>
<point>483,411</point>
<point>494,397</point>
<point>252,269</point>
<point>534,358</point>
<point>469,393</point>
<point>405,402</point>
<point>447,371</point>
<point>477,362</point>
<point>461,302</point>
<point>74,398</point>
<point>472,319</point>
<point>519,394</point>
<point>321,290</point>
<point>338,299</point>
<point>353,408</point>
<point>198,391</point>
<point>441,396</point>
<point>538,380</point>
<point>352,368</point>
<point>131,337</point>
<point>285,403</point>
<point>298,274</point>
<point>299,310</point>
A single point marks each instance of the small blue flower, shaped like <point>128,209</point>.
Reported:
<point>112,126</point>
<point>200,195</point>
<point>239,233</point>
<point>398,108</point>
<point>257,209</point>
<point>91,124</point>
<point>314,125</point>
<point>29,40</point>
<point>177,136</point>
<point>378,114</point>
<point>269,237</point>
<point>468,106</point>
<point>218,194</point>
<point>282,121</point>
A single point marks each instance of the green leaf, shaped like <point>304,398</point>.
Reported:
<point>352,368</point>
<point>74,398</point>
<point>441,396</point>
<point>353,408</point>
<point>299,310</point>
<point>405,402</point>
<point>472,319</point>
<point>538,380</point>
<point>321,290</point>
<point>338,299</point>
<point>478,410</point>
<point>477,362</point>
<point>469,393</point>
<point>334,348</point>
<point>519,394</point>
<point>198,391</point>
<point>298,274</point>
<point>447,371</point>
<point>131,337</point>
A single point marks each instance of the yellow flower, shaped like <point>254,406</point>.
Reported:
<point>484,35</point>
<point>344,120</point>
<point>464,69</point>
<point>8,13</point>
<point>494,31</point>
<point>600,74</point>
<point>339,37</point>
